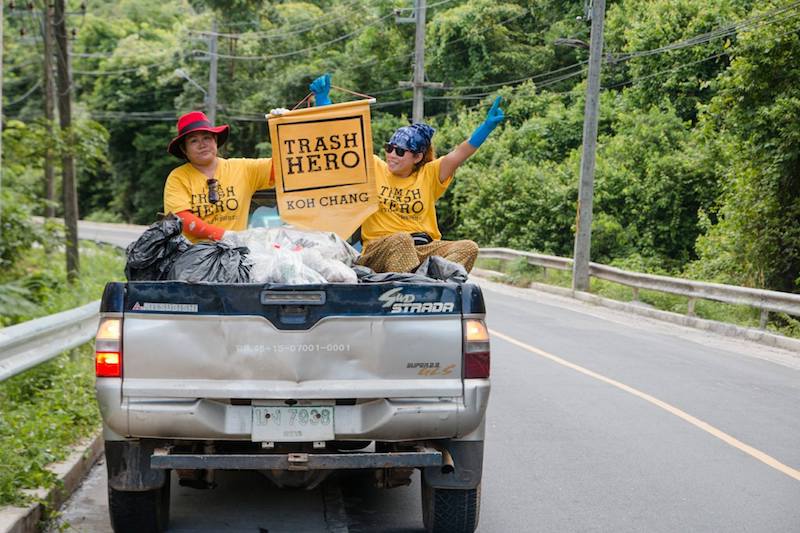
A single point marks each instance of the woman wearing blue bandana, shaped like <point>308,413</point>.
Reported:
<point>404,231</point>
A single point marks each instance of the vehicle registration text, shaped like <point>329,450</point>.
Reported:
<point>292,424</point>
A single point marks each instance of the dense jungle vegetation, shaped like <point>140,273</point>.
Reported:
<point>698,166</point>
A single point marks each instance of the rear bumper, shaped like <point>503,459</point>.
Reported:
<point>387,419</point>
<point>422,457</point>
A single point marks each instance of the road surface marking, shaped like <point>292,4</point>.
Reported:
<point>708,428</point>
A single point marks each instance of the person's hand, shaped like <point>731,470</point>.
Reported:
<point>278,111</point>
<point>321,87</point>
<point>495,115</point>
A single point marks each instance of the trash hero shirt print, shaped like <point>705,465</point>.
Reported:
<point>237,180</point>
<point>405,205</point>
<point>323,165</point>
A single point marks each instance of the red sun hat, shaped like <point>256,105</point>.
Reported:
<point>195,121</point>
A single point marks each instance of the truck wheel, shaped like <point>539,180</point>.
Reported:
<point>450,510</point>
<point>139,511</point>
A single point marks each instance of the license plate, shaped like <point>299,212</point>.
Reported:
<point>292,424</point>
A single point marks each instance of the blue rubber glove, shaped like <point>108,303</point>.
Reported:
<point>494,117</point>
<point>321,87</point>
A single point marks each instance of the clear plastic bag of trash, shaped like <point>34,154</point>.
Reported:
<point>282,255</point>
<point>279,264</point>
<point>332,270</point>
<point>152,255</point>
<point>212,262</point>
<point>330,245</point>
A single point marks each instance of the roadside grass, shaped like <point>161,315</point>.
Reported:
<point>50,407</point>
<point>43,411</point>
<point>520,274</point>
<point>37,285</point>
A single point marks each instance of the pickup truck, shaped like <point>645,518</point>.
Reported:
<point>294,381</point>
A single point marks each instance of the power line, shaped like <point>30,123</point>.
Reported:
<point>724,31</point>
<point>274,35</point>
<point>119,71</point>
<point>278,35</point>
<point>26,95</point>
<point>693,41</point>
<point>684,65</point>
<point>296,52</point>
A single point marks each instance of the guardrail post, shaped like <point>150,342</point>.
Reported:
<point>690,307</point>
<point>635,294</point>
<point>544,274</point>
<point>762,323</point>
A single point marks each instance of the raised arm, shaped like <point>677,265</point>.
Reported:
<point>453,160</point>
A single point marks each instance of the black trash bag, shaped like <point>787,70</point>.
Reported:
<point>151,256</point>
<point>437,267</point>
<point>407,277</point>
<point>212,262</point>
<point>362,271</point>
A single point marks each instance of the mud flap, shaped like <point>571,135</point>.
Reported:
<point>468,466</point>
<point>128,464</point>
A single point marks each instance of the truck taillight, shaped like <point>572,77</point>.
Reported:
<point>108,349</point>
<point>476,349</point>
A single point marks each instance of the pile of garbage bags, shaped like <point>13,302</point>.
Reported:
<point>151,257</point>
<point>294,257</point>
<point>263,255</point>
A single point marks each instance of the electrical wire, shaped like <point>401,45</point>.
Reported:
<point>279,35</point>
<point>295,52</point>
<point>26,95</point>
<point>683,65</point>
<point>274,35</point>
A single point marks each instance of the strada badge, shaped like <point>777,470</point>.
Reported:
<point>406,303</point>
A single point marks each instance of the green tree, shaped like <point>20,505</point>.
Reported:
<point>753,121</point>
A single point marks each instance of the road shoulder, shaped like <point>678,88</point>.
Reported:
<point>70,474</point>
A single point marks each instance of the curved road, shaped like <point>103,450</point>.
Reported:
<point>598,421</point>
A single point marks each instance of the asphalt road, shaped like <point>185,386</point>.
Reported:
<point>598,421</point>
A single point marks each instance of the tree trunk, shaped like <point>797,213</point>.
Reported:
<point>64,90</point>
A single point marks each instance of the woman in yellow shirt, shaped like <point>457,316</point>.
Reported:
<point>210,194</point>
<point>404,231</point>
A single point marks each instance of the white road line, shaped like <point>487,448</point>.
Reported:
<point>708,428</point>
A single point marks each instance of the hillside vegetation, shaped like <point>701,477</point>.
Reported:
<point>698,166</point>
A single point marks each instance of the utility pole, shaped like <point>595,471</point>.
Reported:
<point>211,104</point>
<point>419,83</point>
<point>49,109</point>
<point>583,233</point>
<point>64,89</point>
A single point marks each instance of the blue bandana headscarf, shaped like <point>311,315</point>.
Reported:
<point>416,137</point>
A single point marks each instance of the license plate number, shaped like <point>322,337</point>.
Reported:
<point>292,424</point>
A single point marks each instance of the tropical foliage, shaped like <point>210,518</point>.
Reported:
<point>697,166</point>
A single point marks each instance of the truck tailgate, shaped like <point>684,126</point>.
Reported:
<point>292,342</point>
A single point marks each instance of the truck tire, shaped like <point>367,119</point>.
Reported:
<point>450,510</point>
<point>139,511</point>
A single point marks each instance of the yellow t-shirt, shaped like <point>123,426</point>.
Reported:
<point>238,179</point>
<point>405,205</point>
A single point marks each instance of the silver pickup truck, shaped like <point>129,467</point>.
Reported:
<point>294,381</point>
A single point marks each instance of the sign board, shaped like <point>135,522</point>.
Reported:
<point>324,175</point>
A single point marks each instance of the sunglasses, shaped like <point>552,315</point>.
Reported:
<point>396,149</point>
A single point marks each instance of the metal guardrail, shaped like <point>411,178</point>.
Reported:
<point>26,345</point>
<point>33,342</point>
<point>764,300</point>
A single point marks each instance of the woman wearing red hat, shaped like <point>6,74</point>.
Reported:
<point>210,194</point>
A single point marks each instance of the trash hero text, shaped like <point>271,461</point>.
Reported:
<point>331,152</point>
